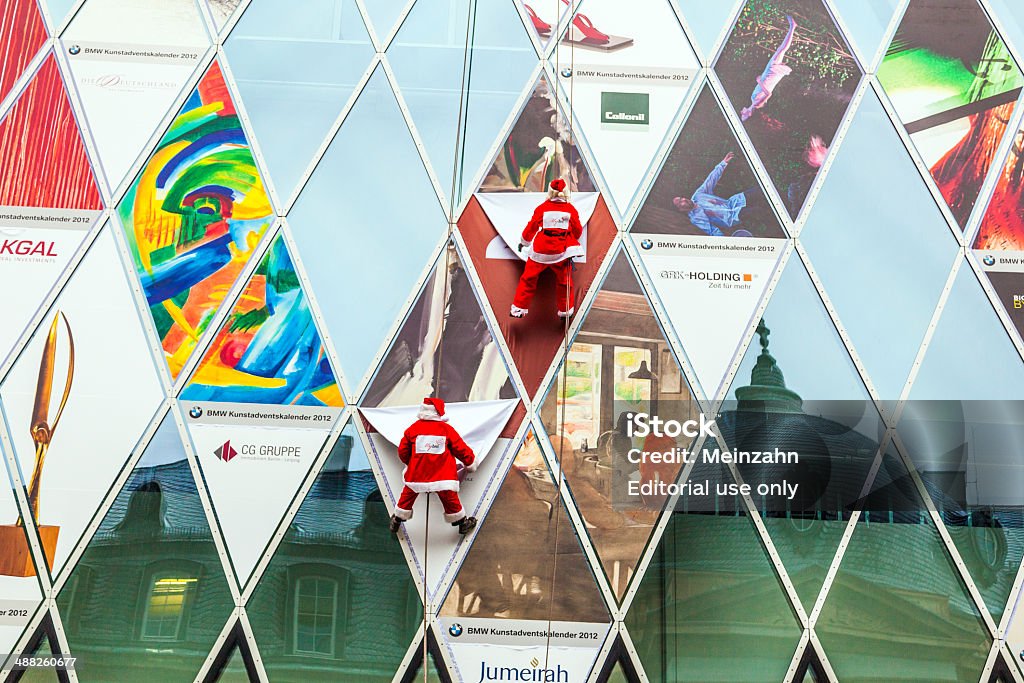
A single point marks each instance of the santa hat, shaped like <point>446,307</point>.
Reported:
<point>557,188</point>
<point>432,409</point>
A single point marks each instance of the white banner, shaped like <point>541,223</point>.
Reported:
<point>710,288</point>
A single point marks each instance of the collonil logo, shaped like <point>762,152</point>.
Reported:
<point>625,107</point>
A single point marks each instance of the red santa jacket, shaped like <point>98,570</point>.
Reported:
<point>429,449</point>
<point>554,232</point>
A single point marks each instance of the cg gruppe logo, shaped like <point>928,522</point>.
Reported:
<point>225,452</point>
<point>195,413</point>
<point>455,630</point>
<point>647,244</point>
<point>989,260</point>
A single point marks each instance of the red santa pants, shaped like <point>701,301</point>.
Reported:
<point>453,511</point>
<point>528,284</point>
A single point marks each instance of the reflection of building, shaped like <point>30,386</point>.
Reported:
<point>895,604</point>
<point>149,596</point>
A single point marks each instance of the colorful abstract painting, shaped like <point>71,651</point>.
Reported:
<point>194,215</point>
<point>42,159</point>
<point>268,350</point>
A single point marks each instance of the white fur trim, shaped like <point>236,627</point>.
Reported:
<point>567,314</point>
<point>571,252</point>
<point>403,514</point>
<point>517,312</point>
<point>472,468</point>
<point>455,516</point>
<point>429,412</point>
<point>432,486</point>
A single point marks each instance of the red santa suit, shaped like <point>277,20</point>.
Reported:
<point>429,449</point>
<point>553,238</point>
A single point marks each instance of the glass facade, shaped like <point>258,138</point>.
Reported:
<point>242,240</point>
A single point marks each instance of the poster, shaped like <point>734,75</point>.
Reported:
<point>539,148</point>
<point>618,362</point>
<point>43,162</point>
<point>481,425</point>
<point>954,86</point>
<point>626,69</point>
<point>24,33</point>
<point>505,601</point>
<point>194,216</point>
<point>710,292</point>
<point>706,185</point>
<point>269,349</point>
<point>445,347</point>
<point>36,246</point>
<point>1005,271</point>
<point>254,458</point>
<point>1002,228</point>
<point>112,382</point>
<point>790,76</point>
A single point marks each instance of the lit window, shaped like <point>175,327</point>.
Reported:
<point>169,598</point>
<point>316,605</point>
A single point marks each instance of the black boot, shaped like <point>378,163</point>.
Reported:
<point>395,524</point>
<point>466,524</point>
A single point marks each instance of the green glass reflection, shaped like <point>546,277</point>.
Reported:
<point>618,675</point>
<point>234,670</point>
<point>42,649</point>
<point>897,609</point>
<point>337,602</point>
<point>149,597</point>
<point>710,607</point>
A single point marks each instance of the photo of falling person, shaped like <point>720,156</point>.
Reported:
<point>707,187</point>
<point>790,76</point>
<point>954,86</point>
<point>1003,226</point>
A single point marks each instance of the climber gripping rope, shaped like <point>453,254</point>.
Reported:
<point>429,449</point>
<point>553,239</point>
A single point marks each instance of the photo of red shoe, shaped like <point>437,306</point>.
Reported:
<point>583,33</point>
<point>542,27</point>
<point>586,27</point>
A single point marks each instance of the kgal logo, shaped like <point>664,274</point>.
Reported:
<point>524,673</point>
<point>28,248</point>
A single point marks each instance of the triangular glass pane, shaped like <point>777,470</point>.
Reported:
<point>539,148</point>
<point>625,69</point>
<point>270,454</point>
<point>148,598</point>
<point>383,15</point>
<point>129,62</point>
<point>272,42</point>
<point>492,226</point>
<point>867,22</point>
<point>897,575</point>
<point>707,21</point>
<point>797,391</point>
<point>428,55</point>
<point>18,572</point>
<point>58,10</point>
<point>194,216</point>
<point>792,46</point>
<point>618,675</point>
<point>95,319</point>
<point>234,670</point>
<point>268,350</point>
<point>436,670</point>
<point>618,363</point>
<point>1011,18</point>
<point>444,348</point>
<point>24,33</point>
<point>336,572</point>
<point>944,374</point>
<point>722,286</point>
<point>42,158</point>
<point>710,591</point>
<point>954,86</point>
<point>222,10</point>
<point>488,428</point>
<point>707,169</point>
<point>42,674</point>
<point>369,232</point>
<point>549,588</point>
<point>887,300</point>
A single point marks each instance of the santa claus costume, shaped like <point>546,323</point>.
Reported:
<point>553,238</point>
<point>429,449</point>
